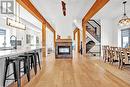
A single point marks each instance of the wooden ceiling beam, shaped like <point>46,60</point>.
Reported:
<point>50,27</point>
<point>31,9</point>
<point>94,9</point>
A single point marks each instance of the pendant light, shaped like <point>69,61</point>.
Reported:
<point>125,20</point>
<point>63,8</point>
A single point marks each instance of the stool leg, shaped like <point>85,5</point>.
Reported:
<point>5,71</point>
<point>17,64</point>
<point>15,76</point>
<point>32,62</point>
<point>25,70</point>
<point>35,63</point>
<point>28,68</point>
<point>38,60</point>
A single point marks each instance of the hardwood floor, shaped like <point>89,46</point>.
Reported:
<point>78,72</point>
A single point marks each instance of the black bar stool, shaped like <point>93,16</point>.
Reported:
<point>36,59</point>
<point>29,58</point>
<point>33,61</point>
<point>16,70</point>
<point>27,61</point>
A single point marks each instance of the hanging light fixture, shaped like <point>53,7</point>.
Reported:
<point>125,20</point>
<point>63,8</point>
<point>15,24</point>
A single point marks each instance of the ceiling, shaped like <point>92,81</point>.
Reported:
<point>52,11</point>
<point>113,10</point>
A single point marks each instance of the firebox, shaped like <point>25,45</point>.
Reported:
<point>63,50</point>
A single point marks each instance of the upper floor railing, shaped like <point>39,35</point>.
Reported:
<point>94,28</point>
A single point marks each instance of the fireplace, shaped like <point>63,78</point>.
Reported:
<point>63,48</point>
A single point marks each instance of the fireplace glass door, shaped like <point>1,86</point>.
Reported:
<point>63,49</point>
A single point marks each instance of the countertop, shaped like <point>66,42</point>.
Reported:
<point>8,53</point>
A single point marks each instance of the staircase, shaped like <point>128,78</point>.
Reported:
<point>93,41</point>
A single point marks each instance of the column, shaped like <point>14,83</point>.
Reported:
<point>44,39</point>
<point>84,38</point>
<point>78,37</point>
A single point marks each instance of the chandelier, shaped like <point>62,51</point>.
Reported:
<point>125,20</point>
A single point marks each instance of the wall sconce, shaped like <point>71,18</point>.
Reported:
<point>15,24</point>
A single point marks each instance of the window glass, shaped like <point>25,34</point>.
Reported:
<point>125,37</point>
<point>2,38</point>
<point>125,42</point>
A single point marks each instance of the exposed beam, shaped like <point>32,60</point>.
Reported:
<point>94,9</point>
<point>74,32</point>
<point>78,37</point>
<point>44,40</point>
<point>54,39</point>
<point>84,38</point>
<point>31,9</point>
<point>50,27</point>
<point>77,30</point>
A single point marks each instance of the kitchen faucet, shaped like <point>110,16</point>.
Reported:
<point>13,42</point>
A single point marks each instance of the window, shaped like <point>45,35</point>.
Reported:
<point>125,37</point>
<point>2,38</point>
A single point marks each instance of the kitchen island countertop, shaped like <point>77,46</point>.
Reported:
<point>13,52</point>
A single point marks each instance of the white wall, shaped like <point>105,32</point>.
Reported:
<point>64,27</point>
<point>29,17</point>
<point>109,32</point>
<point>49,40</point>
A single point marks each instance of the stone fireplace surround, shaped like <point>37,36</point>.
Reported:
<point>66,46</point>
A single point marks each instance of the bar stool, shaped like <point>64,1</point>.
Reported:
<point>27,61</point>
<point>35,59</point>
<point>30,59</point>
<point>38,58</point>
<point>16,69</point>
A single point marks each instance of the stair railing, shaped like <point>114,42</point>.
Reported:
<point>94,33</point>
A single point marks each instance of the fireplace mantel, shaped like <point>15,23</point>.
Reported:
<point>63,40</point>
<point>63,48</point>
